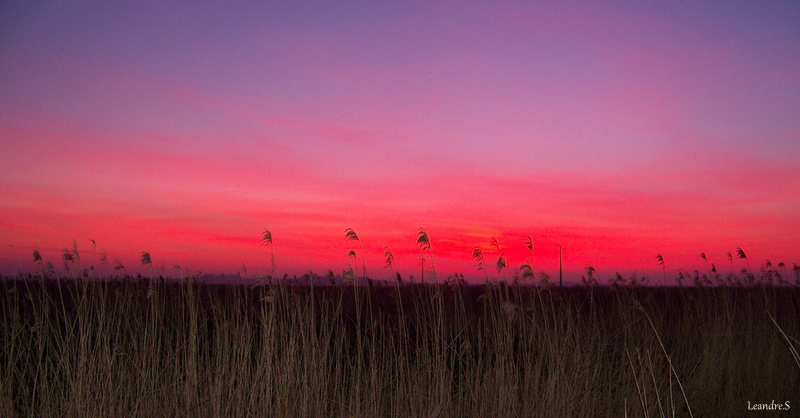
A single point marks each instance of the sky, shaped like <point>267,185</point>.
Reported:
<point>618,130</point>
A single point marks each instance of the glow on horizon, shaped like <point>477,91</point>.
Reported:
<point>619,132</point>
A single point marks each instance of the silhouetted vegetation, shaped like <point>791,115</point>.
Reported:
<point>179,347</point>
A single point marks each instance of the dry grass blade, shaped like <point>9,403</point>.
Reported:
<point>350,234</point>
<point>526,272</point>
<point>477,255</point>
<point>348,277</point>
<point>510,310</point>
<point>669,360</point>
<point>789,345</point>
<point>636,382</point>
<point>501,262</point>
<point>144,258</point>
<point>388,257</point>
<point>495,244</point>
<point>423,240</point>
<point>436,411</point>
<point>118,266</point>
<point>266,237</point>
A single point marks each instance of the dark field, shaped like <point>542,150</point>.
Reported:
<point>132,348</point>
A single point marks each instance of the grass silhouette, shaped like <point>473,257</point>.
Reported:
<point>388,261</point>
<point>350,235</point>
<point>740,254</point>
<point>266,239</point>
<point>424,243</point>
<point>105,346</point>
<point>145,260</point>
<point>529,247</point>
<point>93,347</point>
<point>477,255</point>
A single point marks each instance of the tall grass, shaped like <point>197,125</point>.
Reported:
<point>350,235</point>
<point>83,347</point>
<point>424,242</point>
<point>266,239</point>
<point>529,246</point>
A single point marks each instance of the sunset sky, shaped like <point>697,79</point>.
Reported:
<point>619,132</point>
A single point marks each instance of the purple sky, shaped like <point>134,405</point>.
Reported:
<point>619,131</point>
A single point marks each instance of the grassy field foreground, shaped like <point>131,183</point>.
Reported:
<point>135,348</point>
